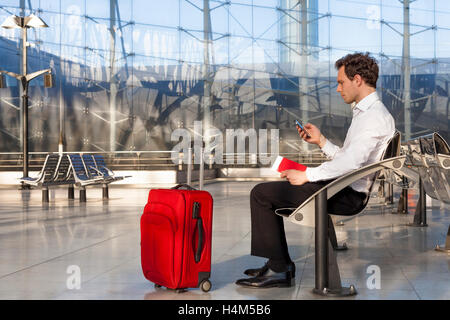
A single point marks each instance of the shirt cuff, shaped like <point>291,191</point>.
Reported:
<point>311,174</point>
<point>328,148</point>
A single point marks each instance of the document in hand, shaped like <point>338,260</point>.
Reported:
<point>282,163</point>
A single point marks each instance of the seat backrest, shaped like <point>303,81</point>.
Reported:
<point>63,173</point>
<point>392,150</point>
<point>101,165</point>
<point>435,160</point>
<point>440,145</point>
<point>78,166</point>
<point>91,166</point>
<point>50,167</point>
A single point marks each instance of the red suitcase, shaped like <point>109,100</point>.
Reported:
<point>176,233</point>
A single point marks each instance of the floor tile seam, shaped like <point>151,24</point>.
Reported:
<point>411,284</point>
<point>303,270</point>
<point>62,255</point>
<point>237,242</point>
<point>388,249</point>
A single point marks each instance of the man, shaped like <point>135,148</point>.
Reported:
<point>371,128</point>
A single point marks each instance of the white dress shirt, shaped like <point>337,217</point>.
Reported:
<point>371,128</point>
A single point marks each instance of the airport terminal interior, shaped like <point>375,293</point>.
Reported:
<point>39,245</point>
<point>146,95</point>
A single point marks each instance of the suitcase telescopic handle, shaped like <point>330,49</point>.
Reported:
<point>201,232</point>
<point>183,186</point>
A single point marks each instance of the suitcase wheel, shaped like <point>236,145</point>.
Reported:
<point>205,285</point>
<point>157,286</point>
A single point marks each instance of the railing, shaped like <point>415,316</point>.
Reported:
<point>160,160</point>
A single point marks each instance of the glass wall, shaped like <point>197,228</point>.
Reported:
<point>127,73</point>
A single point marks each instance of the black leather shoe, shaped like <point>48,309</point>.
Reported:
<point>270,279</point>
<point>261,271</point>
<point>257,271</point>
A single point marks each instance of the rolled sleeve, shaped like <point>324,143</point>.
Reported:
<point>348,158</point>
<point>330,149</point>
<point>315,174</point>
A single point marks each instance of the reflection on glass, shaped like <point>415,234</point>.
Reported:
<point>129,72</point>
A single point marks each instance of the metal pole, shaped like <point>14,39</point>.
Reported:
<point>71,192</point>
<point>22,72</point>
<point>112,78</point>
<point>83,194</point>
<point>206,68</point>
<point>61,141</point>
<point>105,193</point>
<point>25,130</point>
<point>423,204</point>
<point>189,167</point>
<point>321,242</point>
<point>391,193</point>
<point>406,70</point>
<point>304,62</point>
<point>382,193</point>
<point>202,170</point>
<point>403,202</point>
<point>24,84</point>
<point>420,216</point>
<point>327,277</point>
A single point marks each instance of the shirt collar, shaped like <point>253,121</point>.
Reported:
<point>365,103</point>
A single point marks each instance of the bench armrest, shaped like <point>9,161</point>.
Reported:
<point>110,173</point>
<point>444,160</point>
<point>98,171</point>
<point>304,214</point>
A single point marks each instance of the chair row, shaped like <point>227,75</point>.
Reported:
<point>91,169</point>
<point>427,165</point>
<point>425,160</point>
<point>55,171</point>
<point>73,169</point>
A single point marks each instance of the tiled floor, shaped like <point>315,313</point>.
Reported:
<point>39,243</point>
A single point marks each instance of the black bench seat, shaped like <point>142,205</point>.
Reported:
<point>55,171</point>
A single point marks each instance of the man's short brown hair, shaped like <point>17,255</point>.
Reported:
<point>362,64</point>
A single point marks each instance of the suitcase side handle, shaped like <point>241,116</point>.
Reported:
<point>201,232</point>
<point>183,186</point>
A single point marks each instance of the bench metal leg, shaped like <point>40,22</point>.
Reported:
<point>328,280</point>
<point>105,191</point>
<point>333,238</point>
<point>420,216</point>
<point>388,193</point>
<point>403,202</point>
<point>83,194</point>
<point>390,198</point>
<point>45,197</point>
<point>71,192</point>
<point>447,243</point>
<point>381,190</point>
<point>24,186</point>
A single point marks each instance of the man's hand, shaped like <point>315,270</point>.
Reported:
<point>315,136</point>
<point>295,177</point>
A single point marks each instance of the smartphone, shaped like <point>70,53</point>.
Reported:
<point>303,129</point>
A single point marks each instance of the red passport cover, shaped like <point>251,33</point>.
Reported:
<point>282,163</point>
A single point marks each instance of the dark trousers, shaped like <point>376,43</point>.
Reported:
<point>268,236</point>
